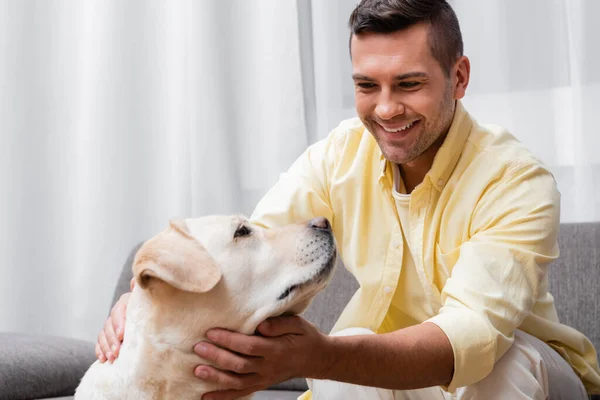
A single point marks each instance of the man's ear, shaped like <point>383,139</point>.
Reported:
<point>178,259</point>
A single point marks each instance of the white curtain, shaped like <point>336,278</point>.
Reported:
<point>116,116</point>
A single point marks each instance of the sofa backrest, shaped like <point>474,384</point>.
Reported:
<point>574,278</point>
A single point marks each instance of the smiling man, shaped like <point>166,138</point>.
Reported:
<point>448,226</point>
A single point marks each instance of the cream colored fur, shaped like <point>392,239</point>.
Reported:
<point>195,276</point>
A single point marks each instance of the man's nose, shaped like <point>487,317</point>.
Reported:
<point>387,108</point>
<point>320,223</point>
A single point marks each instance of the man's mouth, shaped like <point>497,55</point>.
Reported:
<point>403,128</point>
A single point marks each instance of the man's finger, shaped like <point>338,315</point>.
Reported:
<point>226,379</point>
<point>225,359</point>
<point>111,337</point>
<point>104,347</point>
<point>100,354</point>
<point>279,326</point>
<point>117,315</point>
<point>238,342</point>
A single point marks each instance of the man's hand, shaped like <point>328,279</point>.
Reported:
<point>290,347</point>
<point>111,335</point>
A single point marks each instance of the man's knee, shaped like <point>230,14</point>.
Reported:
<point>523,373</point>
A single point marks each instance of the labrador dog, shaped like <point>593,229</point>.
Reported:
<point>214,271</point>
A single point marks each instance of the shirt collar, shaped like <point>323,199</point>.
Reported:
<point>447,156</point>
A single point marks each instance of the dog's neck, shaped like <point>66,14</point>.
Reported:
<point>162,348</point>
<point>148,362</point>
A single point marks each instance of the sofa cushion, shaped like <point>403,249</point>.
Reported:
<point>574,278</point>
<point>38,366</point>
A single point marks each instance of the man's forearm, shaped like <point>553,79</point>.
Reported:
<point>415,357</point>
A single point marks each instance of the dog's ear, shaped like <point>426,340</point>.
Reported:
<point>178,259</point>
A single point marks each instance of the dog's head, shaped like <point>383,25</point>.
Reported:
<point>225,271</point>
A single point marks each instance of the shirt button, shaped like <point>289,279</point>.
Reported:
<point>396,244</point>
<point>440,182</point>
<point>388,289</point>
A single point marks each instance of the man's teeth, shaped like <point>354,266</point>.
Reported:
<point>403,128</point>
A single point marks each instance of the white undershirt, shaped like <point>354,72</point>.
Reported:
<point>408,300</point>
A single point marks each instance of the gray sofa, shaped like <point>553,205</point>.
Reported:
<point>34,367</point>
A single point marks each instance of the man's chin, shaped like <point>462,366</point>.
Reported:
<point>396,157</point>
<point>393,152</point>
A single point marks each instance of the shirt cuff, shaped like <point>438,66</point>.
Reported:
<point>473,345</point>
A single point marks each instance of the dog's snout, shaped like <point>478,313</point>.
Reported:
<point>320,223</point>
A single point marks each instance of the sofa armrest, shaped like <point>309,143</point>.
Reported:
<point>38,366</point>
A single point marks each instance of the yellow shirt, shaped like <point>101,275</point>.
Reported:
<point>483,228</point>
<point>409,304</point>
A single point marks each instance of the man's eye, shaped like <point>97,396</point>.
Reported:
<point>242,231</point>
<point>365,85</point>
<point>408,85</point>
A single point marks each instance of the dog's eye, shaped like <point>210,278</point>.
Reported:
<point>241,231</point>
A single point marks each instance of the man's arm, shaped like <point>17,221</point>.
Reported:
<point>415,357</point>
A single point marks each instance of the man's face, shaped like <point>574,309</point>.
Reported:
<point>401,92</point>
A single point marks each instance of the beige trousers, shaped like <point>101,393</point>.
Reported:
<point>530,369</point>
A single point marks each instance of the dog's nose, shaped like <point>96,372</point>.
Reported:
<point>320,223</point>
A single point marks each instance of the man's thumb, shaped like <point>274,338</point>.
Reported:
<point>279,326</point>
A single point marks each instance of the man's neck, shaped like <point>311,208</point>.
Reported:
<point>413,172</point>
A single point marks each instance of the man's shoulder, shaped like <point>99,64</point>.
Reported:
<point>495,146</point>
<point>500,177</point>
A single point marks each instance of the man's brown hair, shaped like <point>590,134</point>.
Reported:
<point>387,16</point>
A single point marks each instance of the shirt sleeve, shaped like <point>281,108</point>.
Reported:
<point>501,270</point>
<point>302,192</point>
